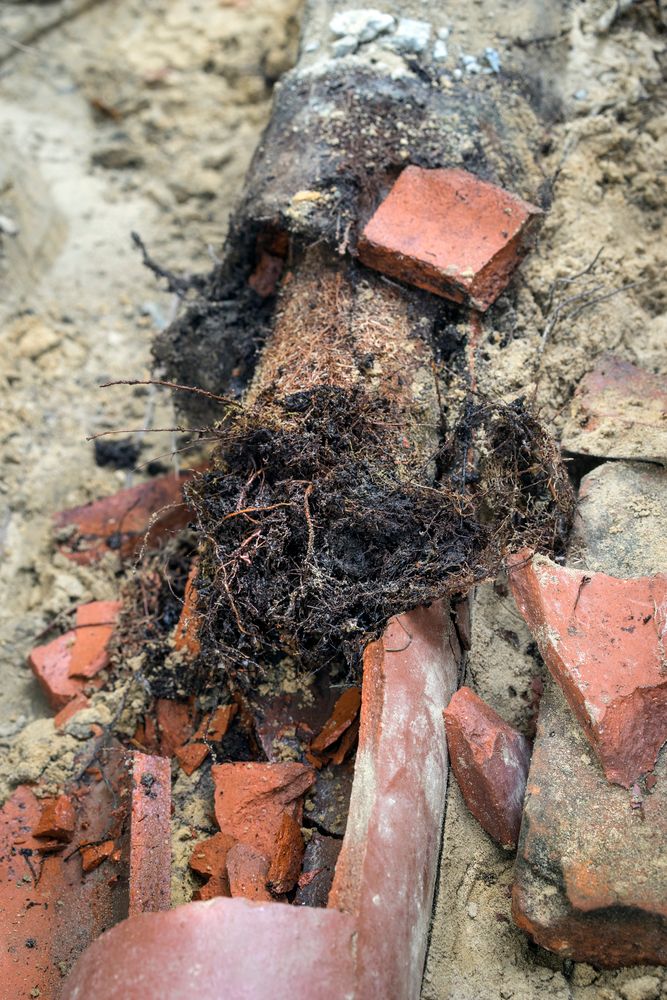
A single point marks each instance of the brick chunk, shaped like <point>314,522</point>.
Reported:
<point>590,878</point>
<point>490,760</point>
<point>122,522</point>
<point>619,411</point>
<point>603,640</point>
<point>64,665</point>
<point>450,233</point>
<point>57,819</point>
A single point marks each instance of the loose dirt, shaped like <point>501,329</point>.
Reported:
<point>143,116</point>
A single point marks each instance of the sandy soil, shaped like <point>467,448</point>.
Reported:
<point>123,115</point>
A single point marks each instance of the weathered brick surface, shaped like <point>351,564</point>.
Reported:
<point>604,641</point>
<point>490,760</point>
<point>591,871</point>
<point>450,233</point>
<point>619,411</point>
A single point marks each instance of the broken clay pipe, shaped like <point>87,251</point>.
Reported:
<point>371,940</point>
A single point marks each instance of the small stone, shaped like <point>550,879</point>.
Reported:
<point>490,760</point>
<point>493,59</point>
<point>345,46</point>
<point>603,639</point>
<point>364,24</point>
<point>411,36</point>
<point>440,51</point>
<point>473,910</point>
<point>644,988</point>
<point>8,226</point>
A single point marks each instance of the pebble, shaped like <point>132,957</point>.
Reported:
<point>492,57</point>
<point>473,910</point>
<point>363,24</point>
<point>440,50</point>
<point>411,36</point>
<point>8,226</point>
<point>345,46</point>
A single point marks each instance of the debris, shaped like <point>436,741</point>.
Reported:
<point>93,855</point>
<point>248,872</point>
<point>186,635</point>
<point>345,711</point>
<point>209,858</point>
<point>77,704</point>
<point>619,411</point>
<point>363,24</point>
<point>490,760</point>
<point>493,59</point>
<point>214,727</point>
<point>411,36</point>
<point>450,233</point>
<point>319,865</point>
<point>266,275</point>
<point>603,639</point>
<point>251,798</point>
<point>191,756</point>
<point>8,227</point>
<point>64,666</point>
<point>287,857</point>
<point>345,46</point>
<point>590,881</point>
<point>122,523</point>
<point>57,819</point>
<point>175,724</point>
<point>622,517</point>
<point>123,453</point>
<point>148,842</point>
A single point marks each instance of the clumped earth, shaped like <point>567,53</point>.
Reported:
<point>145,118</point>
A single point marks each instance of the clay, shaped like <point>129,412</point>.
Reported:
<point>450,233</point>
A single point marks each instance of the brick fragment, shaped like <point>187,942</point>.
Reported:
<point>214,727</point>
<point>122,523</point>
<point>186,635</point>
<point>619,411</point>
<point>150,834</point>
<point>590,879</point>
<point>175,724</point>
<point>66,665</point>
<point>450,233</point>
<point>490,760</point>
<point>93,855</point>
<point>248,872</point>
<point>191,756</point>
<point>209,858</point>
<point>77,704</point>
<point>287,857</point>
<point>57,819</point>
<point>250,800</point>
<point>345,712</point>
<point>603,639</point>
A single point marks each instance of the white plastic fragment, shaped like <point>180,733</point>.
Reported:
<point>363,23</point>
<point>492,57</point>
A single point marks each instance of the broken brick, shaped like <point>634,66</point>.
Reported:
<point>150,834</point>
<point>64,666</point>
<point>57,819</point>
<point>251,799</point>
<point>77,704</point>
<point>175,724</point>
<point>490,760</point>
<point>248,871</point>
<point>287,856</point>
<point>345,712</point>
<point>191,756</point>
<point>94,854</point>
<point>186,635</point>
<point>214,727</point>
<point>450,233</point>
<point>619,411</point>
<point>590,881</point>
<point>209,858</point>
<point>122,523</point>
<point>603,639</point>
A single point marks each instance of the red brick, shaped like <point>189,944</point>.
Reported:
<point>122,523</point>
<point>251,799</point>
<point>345,712</point>
<point>57,819</point>
<point>221,948</point>
<point>450,233</point>
<point>248,872</point>
<point>93,855</point>
<point>490,760</point>
<point>590,878</point>
<point>150,834</point>
<point>619,411</point>
<point>209,858</point>
<point>603,639</point>
<point>66,665</point>
<point>175,724</point>
<point>287,856</point>
<point>191,756</point>
<point>186,635</point>
<point>77,704</point>
<point>214,727</point>
<point>386,870</point>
